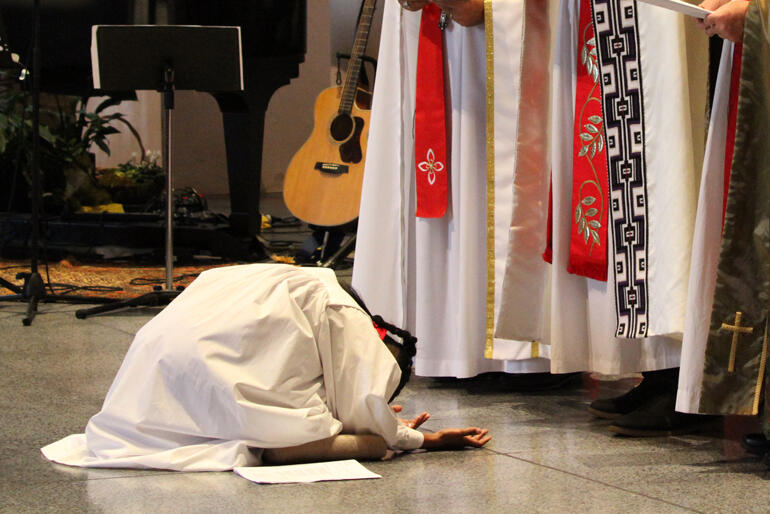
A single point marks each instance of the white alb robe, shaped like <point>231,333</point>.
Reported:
<point>246,358</point>
<point>577,316</point>
<point>429,275</point>
<point>706,244</point>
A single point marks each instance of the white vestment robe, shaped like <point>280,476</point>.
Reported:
<point>582,318</point>
<point>706,244</point>
<point>430,275</point>
<point>246,358</point>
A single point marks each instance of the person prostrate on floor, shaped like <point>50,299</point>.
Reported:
<point>256,362</point>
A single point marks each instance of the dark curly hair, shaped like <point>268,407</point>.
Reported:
<point>404,351</point>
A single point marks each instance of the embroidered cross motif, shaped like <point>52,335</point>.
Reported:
<point>431,166</point>
<point>736,329</point>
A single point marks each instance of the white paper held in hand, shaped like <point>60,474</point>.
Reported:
<point>680,6</point>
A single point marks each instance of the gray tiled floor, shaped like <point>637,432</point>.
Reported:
<point>547,453</point>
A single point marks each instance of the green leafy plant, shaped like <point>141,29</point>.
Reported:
<point>138,181</point>
<point>68,131</point>
<point>78,129</point>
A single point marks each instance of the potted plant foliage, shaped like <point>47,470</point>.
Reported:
<point>136,184</point>
<point>68,131</point>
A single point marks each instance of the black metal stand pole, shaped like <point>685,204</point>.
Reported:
<point>161,296</point>
<point>168,106</point>
<point>34,289</point>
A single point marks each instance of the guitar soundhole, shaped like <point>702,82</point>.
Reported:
<point>342,127</point>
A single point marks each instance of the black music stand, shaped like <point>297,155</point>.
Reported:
<point>164,58</point>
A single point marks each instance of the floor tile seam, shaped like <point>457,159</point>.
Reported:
<point>40,313</point>
<point>72,310</point>
<point>66,307</point>
<point>10,315</point>
<point>595,481</point>
<point>150,473</point>
<point>131,333</point>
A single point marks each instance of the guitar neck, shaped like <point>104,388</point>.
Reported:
<point>354,65</point>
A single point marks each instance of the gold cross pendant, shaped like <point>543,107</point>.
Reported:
<point>736,329</point>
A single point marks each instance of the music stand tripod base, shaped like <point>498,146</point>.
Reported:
<point>151,299</point>
<point>33,292</point>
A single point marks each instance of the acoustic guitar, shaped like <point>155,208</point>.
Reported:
<point>322,185</point>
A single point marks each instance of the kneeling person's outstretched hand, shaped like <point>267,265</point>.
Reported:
<point>456,438</point>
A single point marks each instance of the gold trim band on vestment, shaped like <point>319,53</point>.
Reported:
<point>490,93</point>
<point>761,374</point>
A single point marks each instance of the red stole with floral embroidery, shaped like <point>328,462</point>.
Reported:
<point>590,183</point>
<point>430,144</point>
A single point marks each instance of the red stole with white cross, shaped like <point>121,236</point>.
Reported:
<point>430,143</point>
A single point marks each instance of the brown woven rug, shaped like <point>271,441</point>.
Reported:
<point>120,281</point>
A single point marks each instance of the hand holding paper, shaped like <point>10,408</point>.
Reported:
<point>713,5</point>
<point>683,7</point>
<point>727,20</point>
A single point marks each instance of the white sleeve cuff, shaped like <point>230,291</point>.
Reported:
<point>409,438</point>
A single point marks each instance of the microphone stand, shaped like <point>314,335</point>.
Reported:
<point>33,290</point>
